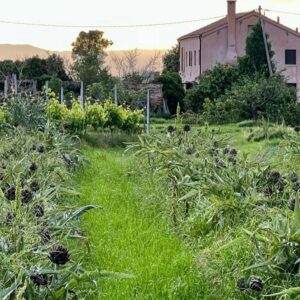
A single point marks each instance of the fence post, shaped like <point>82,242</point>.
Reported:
<point>116,94</point>
<point>82,95</point>
<point>15,83</point>
<point>62,95</point>
<point>34,88</point>
<point>47,90</point>
<point>5,88</point>
<point>148,111</point>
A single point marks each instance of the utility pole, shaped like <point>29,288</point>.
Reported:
<point>265,41</point>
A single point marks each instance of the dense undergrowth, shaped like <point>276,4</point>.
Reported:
<point>41,243</point>
<point>241,214</point>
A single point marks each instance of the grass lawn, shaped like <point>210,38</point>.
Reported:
<point>130,236</point>
<point>125,237</point>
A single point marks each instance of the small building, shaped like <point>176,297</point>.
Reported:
<point>225,40</point>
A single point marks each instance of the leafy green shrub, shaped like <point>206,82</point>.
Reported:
<point>132,120</point>
<point>95,115</point>
<point>190,117</point>
<point>115,115</point>
<point>55,84</point>
<point>72,119</point>
<point>173,90</point>
<point>100,90</point>
<point>56,111</point>
<point>221,112</point>
<point>3,117</point>
<point>212,84</point>
<point>75,118</point>
<point>268,98</point>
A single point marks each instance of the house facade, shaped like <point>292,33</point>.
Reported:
<point>225,40</point>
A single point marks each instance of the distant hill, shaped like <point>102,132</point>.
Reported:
<point>14,52</point>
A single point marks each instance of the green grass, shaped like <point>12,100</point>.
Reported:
<point>129,238</point>
<point>132,233</point>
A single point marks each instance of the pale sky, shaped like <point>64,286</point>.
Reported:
<point>121,12</point>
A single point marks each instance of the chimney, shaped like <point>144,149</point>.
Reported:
<point>297,29</point>
<point>278,19</point>
<point>231,33</point>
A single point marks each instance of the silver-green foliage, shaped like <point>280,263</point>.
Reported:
<point>215,191</point>
<point>39,223</point>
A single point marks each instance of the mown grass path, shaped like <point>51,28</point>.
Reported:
<point>125,237</point>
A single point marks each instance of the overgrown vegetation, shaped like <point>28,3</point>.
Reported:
<point>241,212</point>
<point>98,116</point>
<point>41,243</point>
<point>268,98</point>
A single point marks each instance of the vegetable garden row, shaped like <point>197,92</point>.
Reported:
<point>240,215</point>
<point>41,244</point>
<point>243,213</point>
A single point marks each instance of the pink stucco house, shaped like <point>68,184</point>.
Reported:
<point>223,41</point>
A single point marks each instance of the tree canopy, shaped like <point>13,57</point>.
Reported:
<point>88,53</point>
<point>171,60</point>
<point>255,59</point>
<point>172,89</point>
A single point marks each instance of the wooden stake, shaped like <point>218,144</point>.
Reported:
<point>82,95</point>
<point>62,95</point>
<point>116,94</point>
<point>148,111</point>
<point>15,83</point>
<point>47,90</point>
<point>5,88</point>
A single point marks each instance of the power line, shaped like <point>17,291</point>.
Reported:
<point>106,26</point>
<point>282,12</point>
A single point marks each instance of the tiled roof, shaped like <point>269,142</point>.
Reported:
<point>223,23</point>
<point>211,27</point>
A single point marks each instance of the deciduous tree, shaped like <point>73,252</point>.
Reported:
<point>171,60</point>
<point>88,53</point>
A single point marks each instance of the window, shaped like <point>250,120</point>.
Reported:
<point>195,58</point>
<point>292,85</point>
<point>290,57</point>
<point>186,59</point>
<point>190,58</point>
<point>182,59</point>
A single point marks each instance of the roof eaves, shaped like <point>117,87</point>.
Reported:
<point>281,26</point>
<point>213,27</point>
